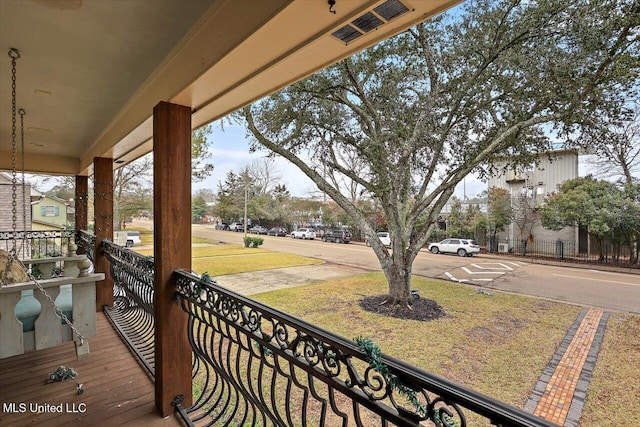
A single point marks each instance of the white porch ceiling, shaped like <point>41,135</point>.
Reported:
<point>91,71</point>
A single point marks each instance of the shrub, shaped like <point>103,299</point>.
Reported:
<point>253,242</point>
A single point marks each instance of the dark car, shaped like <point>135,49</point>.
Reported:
<point>222,226</point>
<point>258,229</point>
<point>277,231</point>
<point>338,236</point>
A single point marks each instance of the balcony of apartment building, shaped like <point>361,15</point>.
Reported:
<point>91,85</point>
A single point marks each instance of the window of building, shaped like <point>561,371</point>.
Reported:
<point>50,210</point>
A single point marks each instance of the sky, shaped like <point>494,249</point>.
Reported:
<point>230,152</point>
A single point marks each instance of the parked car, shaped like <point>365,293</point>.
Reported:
<point>258,229</point>
<point>127,238</point>
<point>277,231</point>
<point>337,236</point>
<point>383,236</point>
<point>236,226</point>
<point>462,247</point>
<point>303,233</point>
<point>222,226</point>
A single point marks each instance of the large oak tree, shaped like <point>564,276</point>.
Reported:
<point>495,79</point>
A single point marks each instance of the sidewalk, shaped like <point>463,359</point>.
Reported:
<point>561,390</point>
<point>280,278</point>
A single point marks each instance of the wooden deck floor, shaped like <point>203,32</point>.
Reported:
<point>117,390</point>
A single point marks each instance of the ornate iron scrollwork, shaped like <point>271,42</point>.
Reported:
<point>133,291</point>
<point>282,369</point>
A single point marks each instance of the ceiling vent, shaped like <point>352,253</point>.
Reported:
<point>371,20</point>
<point>391,9</point>
<point>367,22</point>
<point>346,34</point>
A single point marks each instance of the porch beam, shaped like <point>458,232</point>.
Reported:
<point>43,163</point>
<point>81,219</point>
<point>103,224</point>
<point>172,251</point>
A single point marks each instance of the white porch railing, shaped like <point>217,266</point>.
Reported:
<point>74,292</point>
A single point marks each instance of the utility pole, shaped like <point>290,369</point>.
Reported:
<point>246,197</point>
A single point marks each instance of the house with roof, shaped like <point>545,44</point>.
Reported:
<point>528,189</point>
<point>23,209</point>
<point>51,213</point>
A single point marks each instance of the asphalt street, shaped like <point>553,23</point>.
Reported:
<point>581,284</point>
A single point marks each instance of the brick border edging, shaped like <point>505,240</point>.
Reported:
<point>545,377</point>
<point>580,393</point>
<point>577,402</point>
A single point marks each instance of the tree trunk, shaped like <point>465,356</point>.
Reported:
<point>398,275</point>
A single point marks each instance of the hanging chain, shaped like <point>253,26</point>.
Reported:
<point>14,54</point>
<point>56,309</point>
<point>24,195</point>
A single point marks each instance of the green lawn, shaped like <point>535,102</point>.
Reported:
<point>146,235</point>
<point>222,259</point>
<point>498,345</point>
<point>614,392</point>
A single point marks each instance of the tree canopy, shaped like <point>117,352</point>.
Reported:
<point>609,213</point>
<point>615,143</point>
<point>495,80</point>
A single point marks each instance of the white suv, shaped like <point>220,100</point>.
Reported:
<point>127,238</point>
<point>236,226</point>
<point>462,247</point>
<point>303,233</point>
<point>384,238</point>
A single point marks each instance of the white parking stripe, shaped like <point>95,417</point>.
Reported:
<point>521,264</point>
<point>450,276</point>
<point>503,267</point>
<point>481,272</point>
<point>453,278</point>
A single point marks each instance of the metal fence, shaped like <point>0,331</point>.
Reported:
<point>133,290</point>
<point>31,244</point>
<point>254,365</point>
<point>87,244</point>
<point>567,251</point>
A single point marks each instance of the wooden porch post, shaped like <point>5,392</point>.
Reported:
<point>172,250</point>
<point>103,223</point>
<point>81,206</point>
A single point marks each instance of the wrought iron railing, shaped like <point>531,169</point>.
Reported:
<point>254,365</point>
<point>87,242</point>
<point>37,243</point>
<point>132,312</point>
<point>566,251</point>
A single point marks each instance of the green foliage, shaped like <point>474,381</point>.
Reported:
<point>199,208</point>
<point>452,96</point>
<point>606,211</point>
<point>268,201</point>
<point>200,169</point>
<point>253,242</point>
<point>499,210</point>
<point>374,358</point>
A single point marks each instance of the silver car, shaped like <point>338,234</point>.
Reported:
<point>462,247</point>
<point>384,237</point>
